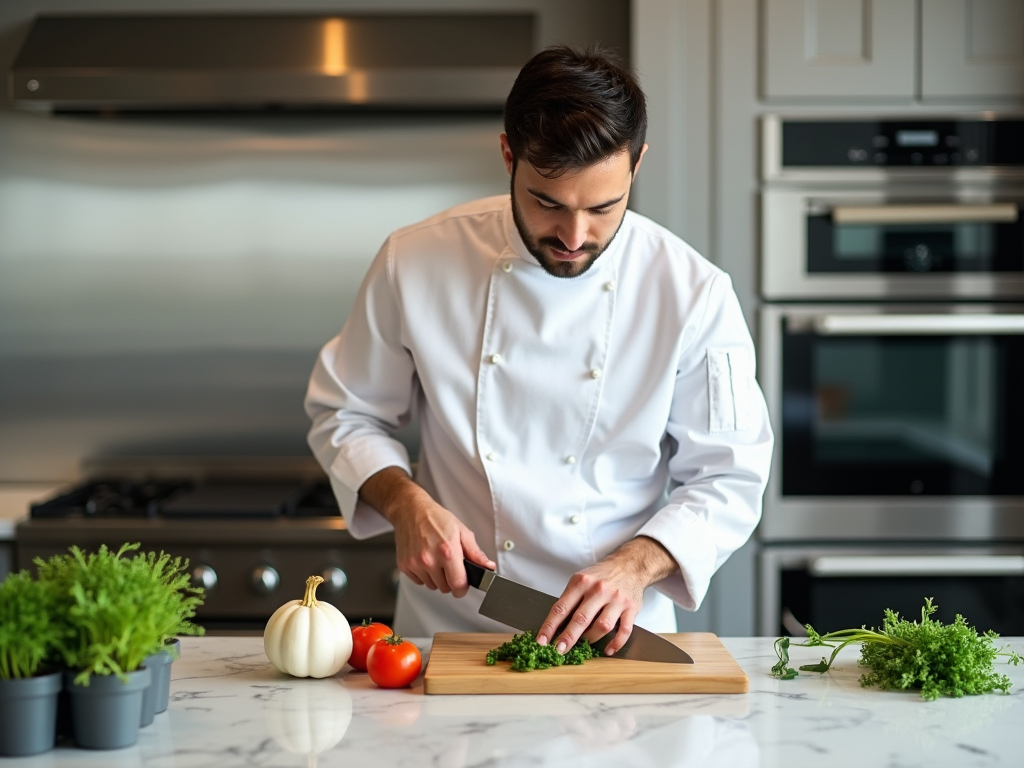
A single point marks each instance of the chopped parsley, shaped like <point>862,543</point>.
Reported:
<point>525,653</point>
<point>939,659</point>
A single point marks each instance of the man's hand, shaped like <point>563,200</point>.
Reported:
<point>430,541</point>
<point>609,592</point>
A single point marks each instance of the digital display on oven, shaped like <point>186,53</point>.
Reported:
<point>917,138</point>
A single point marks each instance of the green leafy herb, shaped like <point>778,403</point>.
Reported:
<point>119,609</point>
<point>31,632</point>
<point>939,659</point>
<point>525,653</point>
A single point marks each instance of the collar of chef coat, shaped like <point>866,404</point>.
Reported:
<point>604,265</point>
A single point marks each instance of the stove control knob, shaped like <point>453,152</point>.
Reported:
<point>335,580</point>
<point>265,579</point>
<point>204,576</point>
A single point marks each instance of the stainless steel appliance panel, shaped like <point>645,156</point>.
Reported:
<point>843,586</point>
<point>894,422</point>
<point>888,208</point>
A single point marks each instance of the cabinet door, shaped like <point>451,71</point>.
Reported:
<point>839,48</point>
<point>972,49</point>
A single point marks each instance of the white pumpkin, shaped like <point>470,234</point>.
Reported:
<point>307,638</point>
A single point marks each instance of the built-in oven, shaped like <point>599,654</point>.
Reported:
<point>892,209</point>
<point>840,586</point>
<point>891,354</point>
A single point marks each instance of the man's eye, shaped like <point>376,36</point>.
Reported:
<point>548,206</point>
<point>600,211</point>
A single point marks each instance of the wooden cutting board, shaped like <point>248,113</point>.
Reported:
<point>457,665</point>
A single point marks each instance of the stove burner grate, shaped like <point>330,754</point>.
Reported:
<point>111,498</point>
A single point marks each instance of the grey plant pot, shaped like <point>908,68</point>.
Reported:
<point>28,715</point>
<point>158,694</point>
<point>105,714</point>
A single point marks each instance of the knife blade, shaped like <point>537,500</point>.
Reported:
<point>525,608</point>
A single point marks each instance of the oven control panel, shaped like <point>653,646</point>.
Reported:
<point>853,143</point>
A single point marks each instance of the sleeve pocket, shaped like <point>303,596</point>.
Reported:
<point>731,388</point>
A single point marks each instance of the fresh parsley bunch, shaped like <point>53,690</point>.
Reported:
<point>939,659</point>
<point>526,653</point>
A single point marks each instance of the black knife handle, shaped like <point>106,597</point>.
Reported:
<point>475,573</point>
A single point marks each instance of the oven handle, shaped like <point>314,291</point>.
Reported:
<point>924,214</point>
<point>905,325</point>
<point>917,565</point>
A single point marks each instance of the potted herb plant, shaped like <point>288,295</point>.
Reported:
<point>117,610</point>
<point>171,609</point>
<point>30,679</point>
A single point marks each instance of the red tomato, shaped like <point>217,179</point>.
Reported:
<point>393,662</point>
<point>363,638</point>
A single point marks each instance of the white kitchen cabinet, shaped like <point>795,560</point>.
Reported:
<point>905,50</point>
<point>838,48</point>
<point>972,49</point>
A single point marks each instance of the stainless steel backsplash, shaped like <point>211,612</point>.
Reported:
<point>165,283</point>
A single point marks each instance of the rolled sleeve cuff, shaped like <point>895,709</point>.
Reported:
<point>687,538</point>
<point>355,463</point>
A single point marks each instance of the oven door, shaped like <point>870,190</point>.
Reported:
<point>842,587</point>
<point>900,421</point>
<point>916,242</point>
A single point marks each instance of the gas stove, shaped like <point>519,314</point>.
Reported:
<point>251,540</point>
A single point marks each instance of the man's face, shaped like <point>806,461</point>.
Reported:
<point>567,222</point>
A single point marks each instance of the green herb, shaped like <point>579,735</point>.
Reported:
<point>525,653</point>
<point>119,609</point>
<point>939,659</point>
<point>31,632</point>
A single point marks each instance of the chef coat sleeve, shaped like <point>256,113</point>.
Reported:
<point>360,395</point>
<point>722,440</point>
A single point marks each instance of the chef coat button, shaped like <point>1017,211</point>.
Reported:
<point>509,544</point>
<point>595,373</point>
<point>609,286</point>
<point>575,519</point>
<point>492,456</point>
<point>507,266</point>
<point>570,459</point>
<point>495,358</point>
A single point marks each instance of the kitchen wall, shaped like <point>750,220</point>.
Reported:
<point>165,283</point>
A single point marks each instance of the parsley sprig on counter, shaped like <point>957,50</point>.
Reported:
<point>525,653</point>
<point>939,659</point>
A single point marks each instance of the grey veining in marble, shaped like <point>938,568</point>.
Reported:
<point>230,707</point>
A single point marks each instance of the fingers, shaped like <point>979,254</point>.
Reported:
<point>590,608</point>
<point>430,547</point>
<point>622,633</point>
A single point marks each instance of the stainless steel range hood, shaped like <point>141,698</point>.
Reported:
<point>210,63</point>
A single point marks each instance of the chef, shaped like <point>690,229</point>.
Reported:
<point>583,380</point>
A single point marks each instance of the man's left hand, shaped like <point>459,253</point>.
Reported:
<point>607,593</point>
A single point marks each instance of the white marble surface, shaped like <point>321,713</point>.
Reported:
<point>229,707</point>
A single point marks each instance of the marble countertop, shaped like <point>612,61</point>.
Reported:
<point>230,707</point>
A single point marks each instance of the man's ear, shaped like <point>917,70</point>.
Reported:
<point>506,154</point>
<point>643,151</point>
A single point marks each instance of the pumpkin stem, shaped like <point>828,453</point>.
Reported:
<point>309,599</point>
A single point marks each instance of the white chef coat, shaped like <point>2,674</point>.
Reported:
<point>559,417</point>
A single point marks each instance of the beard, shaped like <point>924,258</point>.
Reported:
<point>551,265</point>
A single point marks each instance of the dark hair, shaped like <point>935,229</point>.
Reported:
<point>570,108</point>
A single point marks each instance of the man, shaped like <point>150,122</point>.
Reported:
<point>584,380</point>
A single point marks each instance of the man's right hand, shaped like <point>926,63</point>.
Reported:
<point>430,541</point>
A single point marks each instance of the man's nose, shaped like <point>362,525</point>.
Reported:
<point>573,232</point>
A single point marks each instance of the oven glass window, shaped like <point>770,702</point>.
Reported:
<point>965,246</point>
<point>902,415</point>
<point>987,602</point>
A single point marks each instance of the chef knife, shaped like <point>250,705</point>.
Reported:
<point>525,608</point>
